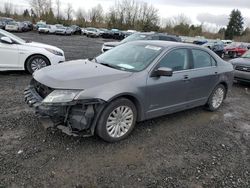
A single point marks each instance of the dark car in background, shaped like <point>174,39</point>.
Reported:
<point>2,25</point>
<point>141,36</point>
<point>76,30</point>
<point>217,47</point>
<point>113,34</point>
<point>28,26</point>
<point>242,67</point>
<point>133,82</point>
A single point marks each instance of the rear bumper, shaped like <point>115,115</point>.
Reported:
<point>75,118</point>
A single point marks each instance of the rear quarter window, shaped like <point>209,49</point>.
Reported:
<point>202,59</point>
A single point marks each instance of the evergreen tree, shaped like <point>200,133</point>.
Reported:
<point>235,25</point>
<point>26,13</point>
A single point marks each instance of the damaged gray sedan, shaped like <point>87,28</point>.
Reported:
<point>133,82</point>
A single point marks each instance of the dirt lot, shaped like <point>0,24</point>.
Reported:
<point>194,148</point>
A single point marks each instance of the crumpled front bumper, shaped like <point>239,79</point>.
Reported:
<point>75,118</point>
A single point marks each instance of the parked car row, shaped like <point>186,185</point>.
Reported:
<point>9,24</point>
<point>58,29</point>
<point>225,48</point>
<point>105,33</point>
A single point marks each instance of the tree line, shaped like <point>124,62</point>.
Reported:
<point>124,14</point>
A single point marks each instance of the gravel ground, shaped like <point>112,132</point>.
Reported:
<point>194,148</point>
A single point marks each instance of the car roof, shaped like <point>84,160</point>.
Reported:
<point>164,44</point>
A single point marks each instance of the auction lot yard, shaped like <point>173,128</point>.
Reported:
<point>195,148</point>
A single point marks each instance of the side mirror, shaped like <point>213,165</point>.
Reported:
<point>163,71</point>
<point>6,40</point>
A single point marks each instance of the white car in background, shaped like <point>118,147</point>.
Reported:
<point>17,54</point>
<point>49,29</point>
<point>64,31</point>
<point>12,26</point>
<point>92,32</point>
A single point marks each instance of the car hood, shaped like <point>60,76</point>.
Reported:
<point>240,61</point>
<point>41,45</point>
<point>112,44</point>
<point>78,74</point>
<point>60,29</point>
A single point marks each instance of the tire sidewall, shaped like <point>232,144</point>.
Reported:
<point>101,129</point>
<point>28,65</point>
<point>210,100</point>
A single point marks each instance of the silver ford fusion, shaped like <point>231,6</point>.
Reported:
<point>133,82</point>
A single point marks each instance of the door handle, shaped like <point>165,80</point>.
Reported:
<point>186,77</point>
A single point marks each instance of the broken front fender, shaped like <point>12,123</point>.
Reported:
<point>76,116</point>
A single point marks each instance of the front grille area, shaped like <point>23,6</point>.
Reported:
<point>242,68</point>
<point>41,89</point>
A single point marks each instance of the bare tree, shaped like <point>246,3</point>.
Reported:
<point>181,19</point>
<point>69,11</point>
<point>133,14</point>
<point>8,8</point>
<point>58,9</point>
<point>96,14</point>
<point>40,6</point>
<point>81,16</point>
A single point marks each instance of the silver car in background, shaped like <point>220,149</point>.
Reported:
<point>242,67</point>
<point>92,32</point>
<point>133,82</point>
<point>63,31</point>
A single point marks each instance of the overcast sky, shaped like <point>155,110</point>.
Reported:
<point>210,12</point>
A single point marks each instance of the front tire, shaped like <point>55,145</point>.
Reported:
<point>36,62</point>
<point>117,120</point>
<point>216,98</point>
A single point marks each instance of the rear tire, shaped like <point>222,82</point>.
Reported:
<point>216,98</point>
<point>36,62</point>
<point>234,55</point>
<point>117,120</point>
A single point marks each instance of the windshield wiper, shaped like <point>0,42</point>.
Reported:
<point>110,65</point>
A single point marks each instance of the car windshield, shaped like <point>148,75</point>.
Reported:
<point>130,57</point>
<point>246,55</point>
<point>135,37</point>
<point>12,23</point>
<point>43,26</point>
<point>14,37</point>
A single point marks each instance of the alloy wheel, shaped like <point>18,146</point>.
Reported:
<point>37,64</point>
<point>119,121</point>
<point>218,98</point>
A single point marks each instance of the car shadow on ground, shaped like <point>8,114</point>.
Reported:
<point>15,73</point>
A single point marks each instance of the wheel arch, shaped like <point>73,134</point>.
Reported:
<point>225,84</point>
<point>27,59</point>
<point>134,100</point>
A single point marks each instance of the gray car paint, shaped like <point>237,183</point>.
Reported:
<point>240,61</point>
<point>241,75</point>
<point>155,96</point>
